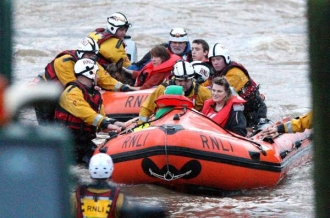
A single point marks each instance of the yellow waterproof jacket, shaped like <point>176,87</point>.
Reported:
<point>236,78</point>
<point>112,49</point>
<point>74,102</point>
<point>298,124</point>
<point>149,107</point>
<point>64,69</point>
<point>119,203</point>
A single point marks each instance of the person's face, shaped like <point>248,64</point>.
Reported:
<point>178,47</point>
<point>197,52</point>
<point>156,61</point>
<point>186,84</point>
<point>121,33</point>
<point>218,93</point>
<point>218,63</point>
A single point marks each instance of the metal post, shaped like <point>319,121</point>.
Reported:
<point>319,50</point>
<point>5,39</point>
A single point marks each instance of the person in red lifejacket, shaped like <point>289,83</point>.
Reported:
<point>156,71</point>
<point>224,108</point>
<point>81,110</point>
<point>183,75</point>
<point>61,71</point>
<point>239,78</point>
<point>111,40</point>
<point>100,198</point>
<point>178,44</point>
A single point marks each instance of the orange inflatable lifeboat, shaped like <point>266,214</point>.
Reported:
<point>184,148</point>
<point>124,105</point>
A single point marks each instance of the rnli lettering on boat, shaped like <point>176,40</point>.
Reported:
<point>135,100</point>
<point>137,140</point>
<point>213,143</point>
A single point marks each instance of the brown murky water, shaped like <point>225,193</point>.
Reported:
<point>268,37</point>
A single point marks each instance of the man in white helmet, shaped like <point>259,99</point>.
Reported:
<point>183,75</point>
<point>239,78</point>
<point>99,194</point>
<point>61,70</point>
<point>178,44</point>
<point>102,199</point>
<point>81,110</point>
<point>111,40</point>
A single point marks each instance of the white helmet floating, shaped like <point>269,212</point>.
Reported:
<point>86,67</point>
<point>178,35</point>
<point>219,50</point>
<point>116,21</point>
<point>183,70</point>
<point>100,166</point>
<point>87,45</point>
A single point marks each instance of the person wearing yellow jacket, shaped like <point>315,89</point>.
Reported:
<point>239,78</point>
<point>111,40</point>
<point>60,70</point>
<point>298,124</point>
<point>183,75</point>
<point>81,110</point>
<point>103,199</point>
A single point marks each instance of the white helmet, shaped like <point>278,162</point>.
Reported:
<point>202,71</point>
<point>87,45</point>
<point>219,50</point>
<point>116,21</point>
<point>178,35</point>
<point>183,70</point>
<point>86,67</point>
<point>100,166</point>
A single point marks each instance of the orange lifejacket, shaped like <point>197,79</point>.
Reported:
<point>50,73</point>
<point>250,89</point>
<point>173,101</point>
<point>111,196</point>
<point>64,117</point>
<point>222,116</point>
<point>148,70</point>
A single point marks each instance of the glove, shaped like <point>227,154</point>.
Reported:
<point>125,88</point>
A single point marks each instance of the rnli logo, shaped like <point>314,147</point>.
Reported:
<point>188,171</point>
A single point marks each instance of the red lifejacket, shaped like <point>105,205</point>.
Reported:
<point>222,116</point>
<point>64,117</point>
<point>111,195</point>
<point>173,101</point>
<point>250,89</point>
<point>105,34</point>
<point>50,72</point>
<point>148,70</point>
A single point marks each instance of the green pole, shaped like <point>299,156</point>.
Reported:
<point>5,39</point>
<point>319,50</point>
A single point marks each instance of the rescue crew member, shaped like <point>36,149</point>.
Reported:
<point>202,71</point>
<point>61,70</point>
<point>156,71</point>
<point>224,108</point>
<point>81,110</point>
<point>239,78</point>
<point>111,40</point>
<point>183,75</point>
<point>298,124</point>
<point>99,199</point>
<point>178,44</point>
